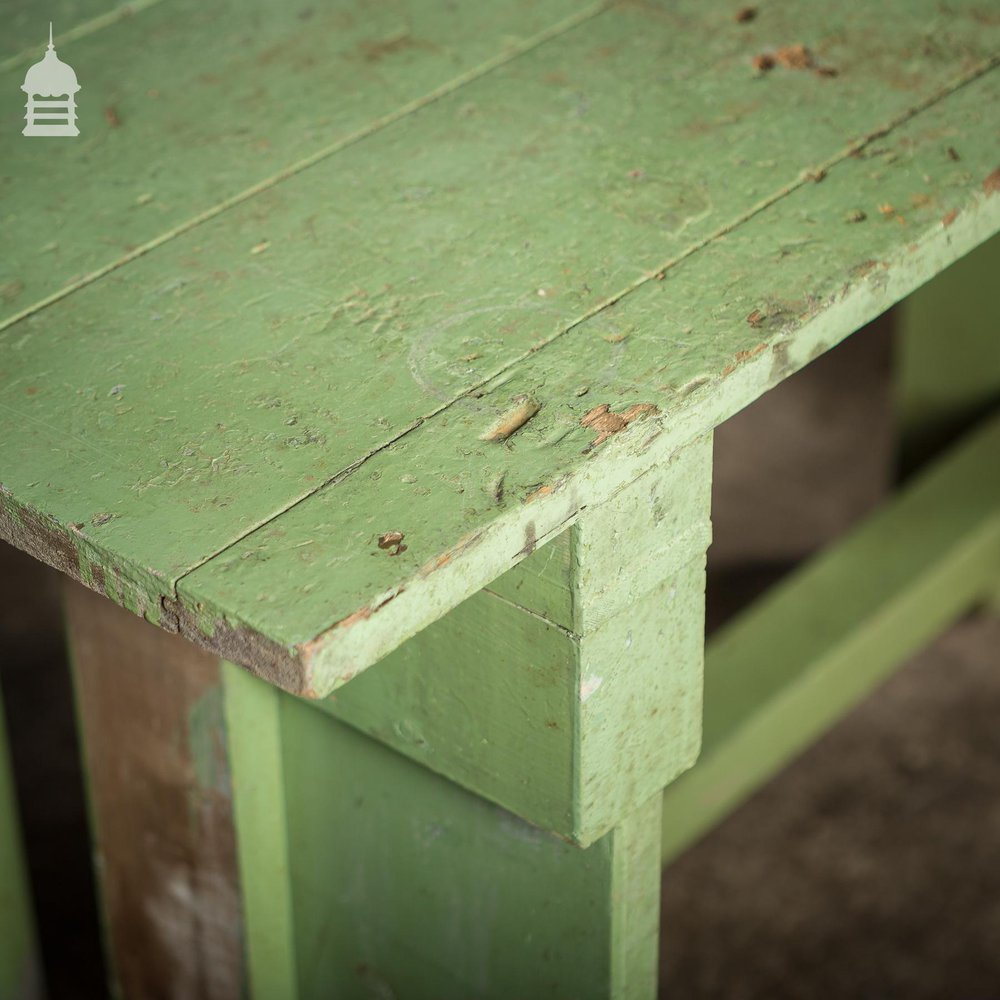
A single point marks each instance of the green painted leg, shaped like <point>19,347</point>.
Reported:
<point>248,841</point>
<point>390,881</point>
<point>794,662</point>
<point>948,369</point>
<point>20,969</point>
<point>569,691</point>
<point>563,699</point>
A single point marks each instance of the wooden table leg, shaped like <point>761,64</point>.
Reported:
<point>154,742</point>
<point>20,968</point>
<point>388,880</point>
<point>360,871</point>
<point>948,354</point>
<point>570,691</point>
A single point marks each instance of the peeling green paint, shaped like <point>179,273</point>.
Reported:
<point>688,274</point>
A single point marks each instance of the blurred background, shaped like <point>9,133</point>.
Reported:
<point>869,868</point>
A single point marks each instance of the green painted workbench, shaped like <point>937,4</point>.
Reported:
<point>368,356</point>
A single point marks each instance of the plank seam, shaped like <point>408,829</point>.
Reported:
<point>403,111</point>
<point>806,177</point>
<point>569,633</point>
<point>95,24</point>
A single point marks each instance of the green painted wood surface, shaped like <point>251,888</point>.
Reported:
<point>948,354</point>
<point>229,97</point>
<point>253,422</point>
<point>71,19</point>
<point>791,665</point>
<point>569,724</point>
<point>253,737</point>
<point>20,969</point>
<point>813,292</point>
<point>405,885</point>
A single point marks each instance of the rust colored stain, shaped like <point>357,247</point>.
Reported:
<point>865,267</point>
<point>797,57</point>
<point>794,57</point>
<point>376,50</point>
<point>740,356</point>
<point>756,319</point>
<point>991,183</point>
<point>745,14</point>
<point>392,542</point>
<point>949,217</point>
<point>111,116</point>
<point>513,420</point>
<point>542,491</point>
<point>362,614</point>
<point>606,423</point>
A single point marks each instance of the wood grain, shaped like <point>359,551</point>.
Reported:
<point>154,738</point>
<point>239,414</point>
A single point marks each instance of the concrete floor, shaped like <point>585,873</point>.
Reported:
<point>870,868</point>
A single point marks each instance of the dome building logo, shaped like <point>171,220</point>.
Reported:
<point>51,88</point>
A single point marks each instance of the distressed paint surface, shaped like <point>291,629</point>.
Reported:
<point>154,740</point>
<point>20,966</point>
<point>570,726</point>
<point>354,376</point>
<point>405,885</point>
<point>71,19</point>
<point>686,338</point>
<point>792,664</point>
<point>232,95</point>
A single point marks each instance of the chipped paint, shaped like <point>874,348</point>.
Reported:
<point>513,420</point>
<point>607,423</point>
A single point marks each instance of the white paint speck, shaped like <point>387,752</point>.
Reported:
<point>589,686</point>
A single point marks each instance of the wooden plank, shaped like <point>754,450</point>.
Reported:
<point>154,738</point>
<point>278,426</point>
<point>570,726</point>
<point>406,885</point>
<point>20,963</point>
<point>948,351</point>
<point>789,667</point>
<point>290,579</point>
<point>234,95</point>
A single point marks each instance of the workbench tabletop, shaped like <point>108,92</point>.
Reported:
<point>332,314</point>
